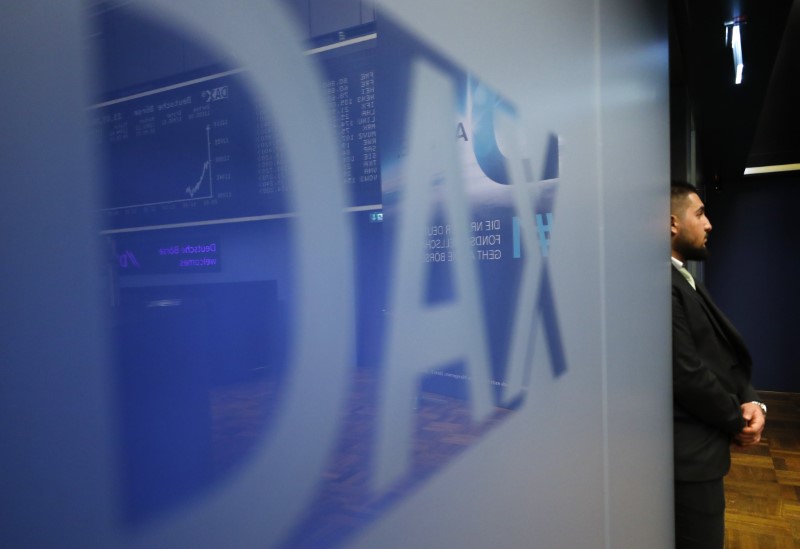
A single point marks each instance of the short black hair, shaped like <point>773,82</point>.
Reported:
<point>681,188</point>
<point>678,190</point>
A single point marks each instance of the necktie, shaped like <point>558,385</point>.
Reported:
<point>688,276</point>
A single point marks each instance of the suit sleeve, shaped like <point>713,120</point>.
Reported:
<point>696,388</point>
<point>747,393</point>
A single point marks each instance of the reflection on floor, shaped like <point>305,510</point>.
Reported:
<point>239,416</point>
<point>345,503</point>
<point>762,490</point>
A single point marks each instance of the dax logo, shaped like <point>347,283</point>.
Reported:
<point>434,181</point>
<point>316,465</point>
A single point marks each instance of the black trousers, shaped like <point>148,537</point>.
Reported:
<point>700,515</point>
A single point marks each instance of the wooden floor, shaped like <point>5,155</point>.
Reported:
<point>762,490</point>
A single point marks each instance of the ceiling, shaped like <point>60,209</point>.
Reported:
<point>751,124</point>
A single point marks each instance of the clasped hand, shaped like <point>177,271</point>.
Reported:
<point>754,425</point>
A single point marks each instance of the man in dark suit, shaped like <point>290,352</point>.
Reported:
<point>714,404</point>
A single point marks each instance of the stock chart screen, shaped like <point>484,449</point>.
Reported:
<point>202,150</point>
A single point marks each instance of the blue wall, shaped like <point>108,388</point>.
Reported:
<point>753,272</point>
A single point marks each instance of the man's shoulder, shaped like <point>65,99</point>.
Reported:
<point>678,280</point>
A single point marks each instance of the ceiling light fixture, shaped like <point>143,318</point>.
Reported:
<point>756,170</point>
<point>733,38</point>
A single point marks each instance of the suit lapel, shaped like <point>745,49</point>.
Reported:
<point>721,323</point>
<point>714,315</point>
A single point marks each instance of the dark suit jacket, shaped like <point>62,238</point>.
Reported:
<point>710,379</point>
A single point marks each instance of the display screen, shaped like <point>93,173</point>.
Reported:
<point>200,149</point>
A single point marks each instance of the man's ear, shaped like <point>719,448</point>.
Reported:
<point>673,225</point>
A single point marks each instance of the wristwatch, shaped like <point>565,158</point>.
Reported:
<point>760,405</point>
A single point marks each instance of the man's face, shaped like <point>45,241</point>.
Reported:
<point>689,227</point>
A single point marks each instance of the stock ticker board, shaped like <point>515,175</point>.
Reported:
<point>202,150</point>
